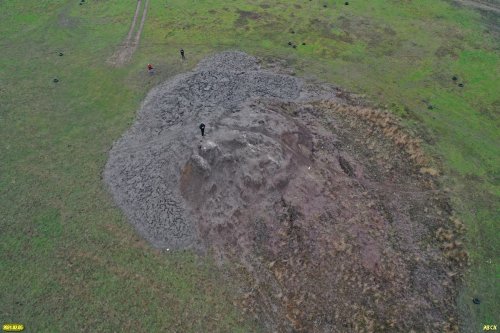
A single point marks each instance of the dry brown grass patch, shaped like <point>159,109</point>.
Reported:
<point>390,126</point>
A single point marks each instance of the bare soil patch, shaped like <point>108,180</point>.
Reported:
<point>327,209</point>
<point>244,16</point>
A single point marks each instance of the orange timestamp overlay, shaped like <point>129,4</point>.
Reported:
<point>13,327</point>
<point>489,327</point>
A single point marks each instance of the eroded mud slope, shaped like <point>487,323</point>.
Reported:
<point>325,211</point>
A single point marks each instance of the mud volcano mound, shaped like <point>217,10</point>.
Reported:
<point>329,219</point>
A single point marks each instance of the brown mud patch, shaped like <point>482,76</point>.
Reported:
<point>329,211</point>
<point>245,16</point>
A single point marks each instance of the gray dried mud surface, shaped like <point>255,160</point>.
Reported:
<point>332,227</point>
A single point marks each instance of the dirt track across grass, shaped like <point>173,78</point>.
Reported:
<point>313,195</point>
<point>482,5</point>
<point>129,45</point>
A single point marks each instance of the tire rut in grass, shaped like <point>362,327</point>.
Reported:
<point>129,45</point>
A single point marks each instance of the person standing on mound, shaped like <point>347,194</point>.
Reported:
<point>202,128</point>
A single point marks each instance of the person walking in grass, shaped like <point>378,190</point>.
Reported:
<point>150,69</point>
<point>182,54</point>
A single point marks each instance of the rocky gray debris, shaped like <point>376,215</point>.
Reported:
<point>145,165</point>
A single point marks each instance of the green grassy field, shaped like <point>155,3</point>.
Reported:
<point>68,260</point>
